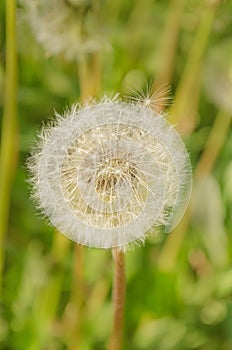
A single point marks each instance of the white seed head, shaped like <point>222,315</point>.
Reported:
<point>106,173</point>
<point>67,27</point>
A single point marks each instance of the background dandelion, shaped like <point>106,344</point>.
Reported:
<point>65,27</point>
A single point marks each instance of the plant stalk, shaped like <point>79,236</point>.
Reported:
<point>215,141</point>
<point>169,45</point>
<point>9,126</point>
<point>184,110</point>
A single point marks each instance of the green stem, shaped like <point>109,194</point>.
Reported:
<point>89,75</point>
<point>169,44</point>
<point>214,143</point>
<point>47,302</point>
<point>169,253</point>
<point>187,94</point>
<point>184,113</point>
<point>137,21</point>
<point>8,137</point>
<point>83,77</point>
<point>95,73</point>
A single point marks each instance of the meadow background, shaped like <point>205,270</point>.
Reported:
<point>55,295</point>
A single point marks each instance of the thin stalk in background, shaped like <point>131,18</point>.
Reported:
<point>184,110</point>
<point>83,77</point>
<point>9,126</point>
<point>168,48</point>
<point>119,292</point>
<point>89,75</point>
<point>95,73</point>
<point>47,302</point>
<point>214,143</point>
<point>137,21</point>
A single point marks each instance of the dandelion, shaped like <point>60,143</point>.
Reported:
<point>106,173</point>
<point>67,27</point>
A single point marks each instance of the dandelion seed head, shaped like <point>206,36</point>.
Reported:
<point>106,173</point>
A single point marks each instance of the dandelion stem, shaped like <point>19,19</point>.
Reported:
<point>8,143</point>
<point>118,300</point>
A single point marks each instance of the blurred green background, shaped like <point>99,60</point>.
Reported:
<point>55,295</point>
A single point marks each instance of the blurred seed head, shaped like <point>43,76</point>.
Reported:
<point>66,27</point>
<point>104,174</point>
